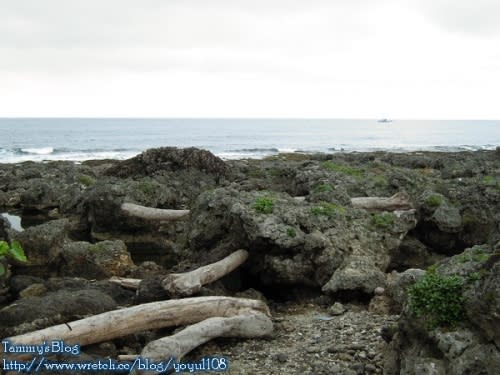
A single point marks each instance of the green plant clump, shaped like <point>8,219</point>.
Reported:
<point>438,299</point>
<point>146,187</point>
<point>14,251</point>
<point>489,180</point>
<point>256,173</point>
<point>327,209</point>
<point>323,188</point>
<point>86,180</point>
<point>98,247</point>
<point>345,169</point>
<point>469,219</point>
<point>264,205</point>
<point>383,220</point>
<point>291,233</point>
<point>434,201</point>
<point>476,255</point>
<point>380,181</point>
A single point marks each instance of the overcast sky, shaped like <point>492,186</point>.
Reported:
<point>250,58</point>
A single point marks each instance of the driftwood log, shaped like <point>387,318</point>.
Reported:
<point>126,282</point>
<point>148,316</point>
<point>398,202</point>
<point>154,214</point>
<point>189,283</point>
<point>248,324</point>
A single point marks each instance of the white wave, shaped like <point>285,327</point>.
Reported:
<point>69,156</point>
<point>287,150</point>
<point>239,155</point>
<point>38,151</point>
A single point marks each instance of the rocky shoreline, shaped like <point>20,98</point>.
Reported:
<point>335,275</point>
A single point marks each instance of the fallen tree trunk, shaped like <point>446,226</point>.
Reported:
<point>122,322</point>
<point>399,201</point>
<point>149,213</point>
<point>248,324</point>
<point>189,283</point>
<point>126,282</point>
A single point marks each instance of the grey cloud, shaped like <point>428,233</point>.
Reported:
<point>154,35</point>
<point>478,17</point>
<point>174,23</point>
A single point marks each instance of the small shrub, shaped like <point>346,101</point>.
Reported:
<point>477,255</point>
<point>345,169</point>
<point>291,233</point>
<point>380,181</point>
<point>86,180</point>
<point>474,276</point>
<point>146,187</point>
<point>438,299</point>
<point>489,180</point>
<point>256,173</point>
<point>264,205</point>
<point>12,251</point>
<point>323,188</point>
<point>384,220</point>
<point>469,219</point>
<point>434,200</point>
<point>289,156</point>
<point>277,172</point>
<point>327,209</point>
<point>98,247</point>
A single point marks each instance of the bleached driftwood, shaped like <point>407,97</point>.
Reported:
<point>248,324</point>
<point>189,283</point>
<point>149,213</point>
<point>148,316</point>
<point>126,282</point>
<point>399,201</point>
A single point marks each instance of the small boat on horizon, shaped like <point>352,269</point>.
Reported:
<point>384,120</point>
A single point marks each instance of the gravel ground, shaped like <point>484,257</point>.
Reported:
<point>307,340</point>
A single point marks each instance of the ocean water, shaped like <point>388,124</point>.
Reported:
<point>81,139</point>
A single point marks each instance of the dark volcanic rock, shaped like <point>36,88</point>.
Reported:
<point>4,225</point>
<point>43,243</point>
<point>21,282</point>
<point>150,289</point>
<point>412,254</point>
<point>154,161</point>
<point>54,308</point>
<point>95,261</point>
<point>296,242</point>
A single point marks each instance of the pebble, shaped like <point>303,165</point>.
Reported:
<point>371,369</point>
<point>336,309</point>
<point>356,346</point>
<point>362,355</point>
<point>335,369</point>
<point>282,357</point>
<point>313,350</point>
<point>345,357</point>
<point>358,367</point>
